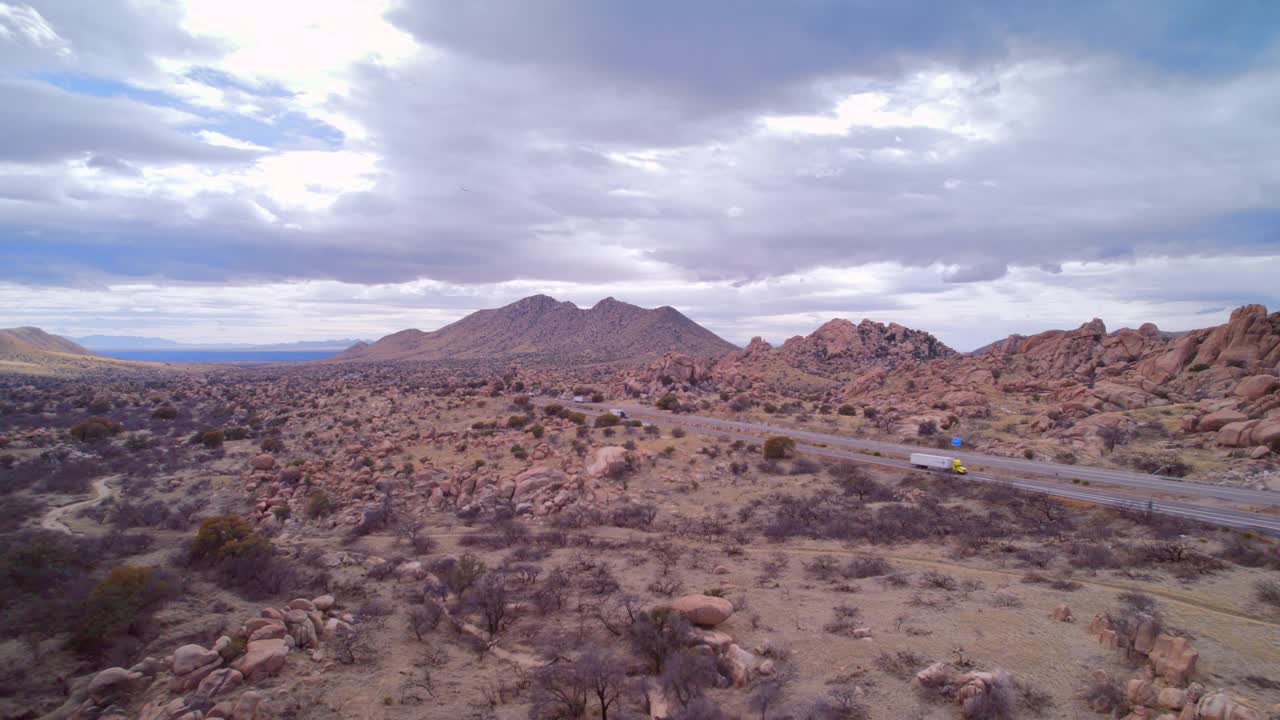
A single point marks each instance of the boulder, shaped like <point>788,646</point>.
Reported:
<point>1221,705</point>
<point>1215,421</point>
<point>301,604</point>
<point>324,602</point>
<point>247,706</point>
<point>1141,691</point>
<point>111,683</point>
<point>936,675</point>
<point>1259,453</point>
<point>1172,698</point>
<point>1144,638</point>
<point>740,663</point>
<point>269,631</point>
<point>190,657</point>
<point>705,610</point>
<point>263,462</point>
<point>262,658</point>
<point>609,461</point>
<point>1173,659</point>
<point>220,682</point>
<point>1255,386</point>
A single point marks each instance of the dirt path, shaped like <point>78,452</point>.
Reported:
<point>53,519</point>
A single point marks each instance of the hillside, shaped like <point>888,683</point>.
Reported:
<point>32,351</point>
<point>32,340</point>
<point>542,329</point>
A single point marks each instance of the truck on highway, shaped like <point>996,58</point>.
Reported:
<point>946,463</point>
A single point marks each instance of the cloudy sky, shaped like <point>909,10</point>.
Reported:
<point>269,170</point>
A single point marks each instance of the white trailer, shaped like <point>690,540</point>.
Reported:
<point>946,463</point>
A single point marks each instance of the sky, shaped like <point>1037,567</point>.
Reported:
<point>273,171</point>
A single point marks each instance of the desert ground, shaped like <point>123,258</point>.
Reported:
<point>401,542</point>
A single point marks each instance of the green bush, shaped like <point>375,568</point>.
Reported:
<point>224,536</point>
<point>668,402</point>
<point>607,420</point>
<point>847,410</point>
<point>537,431</point>
<point>553,410</point>
<point>778,447</point>
<point>517,421</point>
<point>519,452</point>
<point>1199,367</point>
<point>165,412</point>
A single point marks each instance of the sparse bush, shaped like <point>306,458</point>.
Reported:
<point>318,504</point>
<point>1268,591</point>
<point>902,664</point>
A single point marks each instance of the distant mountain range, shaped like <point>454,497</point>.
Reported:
<point>108,343</point>
<point>543,329</point>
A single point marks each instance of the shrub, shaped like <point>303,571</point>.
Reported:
<point>847,410</point>
<point>94,429</point>
<point>928,428</point>
<point>272,444</point>
<point>677,433</point>
<point>116,604</point>
<point>607,420</point>
<point>211,438</point>
<point>668,402</point>
<point>318,504</point>
<point>165,412</point>
<point>778,447</point>
<point>224,536</point>
<point>1268,591</point>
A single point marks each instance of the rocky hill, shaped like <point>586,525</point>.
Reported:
<point>1083,388</point>
<point>834,353</point>
<point>543,329</point>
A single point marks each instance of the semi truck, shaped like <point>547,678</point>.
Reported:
<point>946,463</point>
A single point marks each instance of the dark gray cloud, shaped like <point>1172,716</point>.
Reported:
<point>42,123</point>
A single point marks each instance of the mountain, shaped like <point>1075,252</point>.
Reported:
<point>543,329</point>
<point>107,343</point>
<point>837,351</point>
<point>19,341</point>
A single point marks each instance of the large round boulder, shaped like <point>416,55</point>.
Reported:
<point>705,610</point>
<point>263,462</point>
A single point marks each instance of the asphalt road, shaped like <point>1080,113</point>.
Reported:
<point>846,448</point>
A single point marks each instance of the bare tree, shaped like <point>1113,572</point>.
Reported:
<point>490,598</point>
<point>424,618</point>
<point>605,676</point>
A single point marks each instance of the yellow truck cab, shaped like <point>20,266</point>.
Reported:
<point>957,467</point>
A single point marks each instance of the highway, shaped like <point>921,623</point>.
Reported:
<point>1056,476</point>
